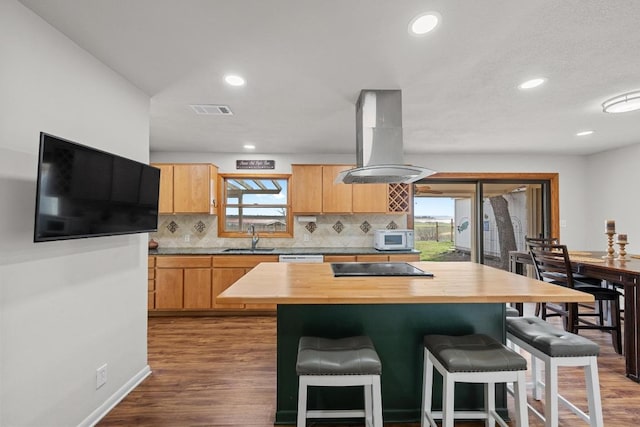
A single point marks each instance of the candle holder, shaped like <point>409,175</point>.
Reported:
<point>622,254</point>
<point>610,251</point>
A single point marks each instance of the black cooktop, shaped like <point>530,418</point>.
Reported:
<point>342,269</point>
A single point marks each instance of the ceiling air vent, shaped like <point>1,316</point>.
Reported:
<point>211,109</point>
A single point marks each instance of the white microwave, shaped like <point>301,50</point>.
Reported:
<point>393,240</point>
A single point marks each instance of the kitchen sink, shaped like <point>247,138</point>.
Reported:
<point>248,250</point>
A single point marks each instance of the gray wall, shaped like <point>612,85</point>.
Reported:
<point>612,182</point>
<point>66,307</point>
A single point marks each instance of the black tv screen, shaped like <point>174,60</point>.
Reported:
<point>84,192</point>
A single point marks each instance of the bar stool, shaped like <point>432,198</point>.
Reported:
<point>351,361</point>
<point>471,359</point>
<point>556,347</point>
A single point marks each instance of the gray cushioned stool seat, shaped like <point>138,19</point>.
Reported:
<point>550,340</point>
<point>343,356</point>
<point>473,353</point>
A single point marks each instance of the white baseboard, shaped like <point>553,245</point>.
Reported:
<point>115,398</point>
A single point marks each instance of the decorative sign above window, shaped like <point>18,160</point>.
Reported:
<point>255,164</point>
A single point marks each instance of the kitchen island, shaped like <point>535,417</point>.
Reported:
<point>396,312</point>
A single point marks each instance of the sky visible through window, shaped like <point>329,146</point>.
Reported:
<point>433,206</point>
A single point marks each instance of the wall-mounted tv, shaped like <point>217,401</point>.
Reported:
<point>84,192</point>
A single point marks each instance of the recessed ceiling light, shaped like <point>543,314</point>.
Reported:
<point>622,103</point>
<point>249,147</point>
<point>530,84</point>
<point>584,133</point>
<point>234,80</point>
<point>424,23</point>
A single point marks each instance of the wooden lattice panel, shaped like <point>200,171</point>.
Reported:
<point>399,197</point>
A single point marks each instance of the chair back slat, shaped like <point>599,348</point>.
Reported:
<point>551,262</point>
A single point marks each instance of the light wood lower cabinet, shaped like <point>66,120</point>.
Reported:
<point>169,288</point>
<point>339,258</point>
<point>190,283</point>
<point>228,269</point>
<point>391,258</point>
<point>372,258</point>
<point>151,283</point>
<point>223,277</point>
<point>197,288</point>
<point>183,283</point>
<point>404,257</point>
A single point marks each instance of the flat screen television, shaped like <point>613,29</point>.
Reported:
<point>85,192</point>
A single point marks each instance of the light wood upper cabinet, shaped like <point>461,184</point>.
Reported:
<point>336,198</point>
<point>314,192</point>
<point>370,198</point>
<point>187,187</point>
<point>213,189</point>
<point>165,204</point>
<point>306,189</point>
<point>191,189</point>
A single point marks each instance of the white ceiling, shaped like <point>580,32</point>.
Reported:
<point>305,61</point>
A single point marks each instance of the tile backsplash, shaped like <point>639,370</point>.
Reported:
<point>330,231</point>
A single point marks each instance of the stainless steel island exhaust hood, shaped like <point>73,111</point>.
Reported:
<point>379,154</point>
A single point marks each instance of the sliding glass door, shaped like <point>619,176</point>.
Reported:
<point>481,220</point>
<point>510,212</point>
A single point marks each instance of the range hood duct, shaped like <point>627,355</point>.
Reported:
<point>379,155</point>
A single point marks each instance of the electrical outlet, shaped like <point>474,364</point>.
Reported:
<point>187,237</point>
<point>101,376</point>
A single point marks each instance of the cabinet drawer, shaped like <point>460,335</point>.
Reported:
<point>151,285</point>
<point>151,300</point>
<point>183,262</point>
<point>339,258</point>
<point>404,257</point>
<point>151,273</point>
<point>246,261</point>
<point>372,258</point>
<point>151,262</point>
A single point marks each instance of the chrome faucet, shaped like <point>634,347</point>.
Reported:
<point>254,237</point>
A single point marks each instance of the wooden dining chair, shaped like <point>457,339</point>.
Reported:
<point>599,313</point>
<point>552,264</point>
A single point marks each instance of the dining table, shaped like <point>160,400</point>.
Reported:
<point>623,273</point>
<point>458,298</point>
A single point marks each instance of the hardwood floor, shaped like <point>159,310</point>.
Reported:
<point>221,371</point>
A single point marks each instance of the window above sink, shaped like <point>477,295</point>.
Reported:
<point>259,200</point>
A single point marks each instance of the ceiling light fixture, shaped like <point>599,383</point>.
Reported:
<point>249,147</point>
<point>584,133</point>
<point>530,84</point>
<point>424,23</point>
<point>622,103</point>
<point>234,80</point>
